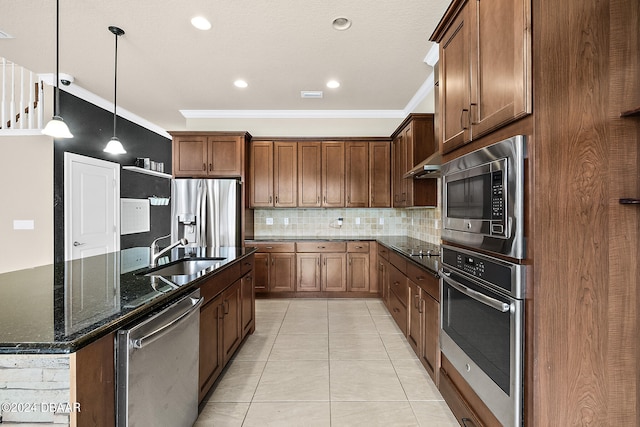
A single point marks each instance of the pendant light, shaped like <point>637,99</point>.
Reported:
<point>56,127</point>
<point>114,146</point>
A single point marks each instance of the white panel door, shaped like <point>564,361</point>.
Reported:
<point>92,206</point>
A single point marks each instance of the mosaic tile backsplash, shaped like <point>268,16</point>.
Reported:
<point>419,223</point>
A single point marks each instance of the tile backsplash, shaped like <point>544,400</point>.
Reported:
<point>420,223</point>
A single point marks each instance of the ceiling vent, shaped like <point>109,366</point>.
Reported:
<point>4,35</point>
<point>311,94</point>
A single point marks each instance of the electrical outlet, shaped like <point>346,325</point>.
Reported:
<point>357,221</point>
<point>381,221</point>
<point>269,221</point>
<point>286,221</point>
<point>436,224</point>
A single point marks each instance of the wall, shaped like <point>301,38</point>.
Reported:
<point>26,171</point>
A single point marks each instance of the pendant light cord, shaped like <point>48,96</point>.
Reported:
<point>115,87</point>
<point>57,94</point>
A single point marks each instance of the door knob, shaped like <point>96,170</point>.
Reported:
<point>77,244</point>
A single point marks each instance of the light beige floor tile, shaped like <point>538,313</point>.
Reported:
<point>238,382</point>
<point>272,305</point>
<point>288,414</point>
<point>305,324</point>
<point>267,327</point>
<point>356,347</point>
<point>351,324</point>
<point>348,307</point>
<point>308,306</point>
<point>365,380</point>
<point>434,414</point>
<point>256,347</point>
<point>372,414</point>
<point>300,347</point>
<point>294,381</point>
<point>377,308</point>
<point>415,380</point>
<point>397,347</point>
<point>222,415</point>
<point>386,325</point>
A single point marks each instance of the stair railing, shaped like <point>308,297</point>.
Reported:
<point>21,92</point>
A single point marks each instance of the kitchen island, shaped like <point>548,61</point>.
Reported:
<point>58,322</point>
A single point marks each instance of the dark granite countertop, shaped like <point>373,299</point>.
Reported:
<point>62,307</point>
<point>415,250</point>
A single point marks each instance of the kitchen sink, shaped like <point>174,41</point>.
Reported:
<point>185,267</point>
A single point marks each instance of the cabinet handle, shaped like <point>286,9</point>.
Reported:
<point>420,278</point>
<point>463,122</point>
<point>226,305</point>
<point>417,301</point>
<point>270,199</point>
<point>276,200</point>
<point>273,261</point>
<point>320,247</point>
<point>210,167</point>
<point>220,313</point>
<point>359,247</point>
<point>204,166</point>
<point>268,247</point>
<point>467,420</point>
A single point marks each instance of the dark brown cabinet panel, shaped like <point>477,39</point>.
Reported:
<point>333,174</point>
<point>261,176</point>
<point>225,156</point>
<point>282,272</point>
<point>308,272</point>
<point>358,272</point>
<point>285,175</point>
<point>357,174</point>
<point>379,174</point>
<point>211,358</point>
<point>261,272</point>
<point>208,155</point>
<point>309,174</point>
<point>190,156</point>
<point>231,320</point>
<point>334,272</point>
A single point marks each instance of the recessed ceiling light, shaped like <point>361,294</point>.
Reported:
<point>201,23</point>
<point>332,84</point>
<point>341,23</point>
<point>240,83</point>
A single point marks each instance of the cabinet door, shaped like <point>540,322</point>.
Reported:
<point>399,191</point>
<point>407,164</point>
<point>414,326</point>
<point>308,272</point>
<point>455,83</point>
<point>380,174</point>
<point>357,174</point>
<point>500,54</point>
<point>430,351</point>
<point>261,272</point>
<point>232,320</point>
<point>282,272</point>
<point>333,174</point>
<point>211,361</point>
<point>334,272</point>
<point>248,304</point>
<point>261,170</point>
<point>383,280</point>
<point>189,156</point>
<point>309,174</point>
<point>285,175</point>
<point>225,156</point>
<point>358,272</point>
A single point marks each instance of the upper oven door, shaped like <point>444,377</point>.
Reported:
<point>483,198</point>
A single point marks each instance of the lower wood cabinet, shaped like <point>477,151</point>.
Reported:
<point>226,317</point>
<point>275,267</point>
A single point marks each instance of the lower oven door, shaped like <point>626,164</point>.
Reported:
<point>482,337</point>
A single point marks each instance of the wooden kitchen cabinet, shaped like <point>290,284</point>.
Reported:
<point>484,68</point>
<point>379,174</point>
<point>326,258</point>
<point>357,174</point>
<point>261,174</point>
<point>275,266</point>
<point>208,155</point>
<point>273,174</point>
<point>413,141</point>
<point>333,174</point>
<point>285,174</point>
<point>247,295</point>
<point>309,272</point>
<point>309,174</point>
<point>231,314</point>
<point>358,273</point>
<point>211,358</point>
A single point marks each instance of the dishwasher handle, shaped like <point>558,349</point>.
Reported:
<point>158,333</point>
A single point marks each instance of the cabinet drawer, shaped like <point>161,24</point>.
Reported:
<point>321,246</point>
<point>358,247</point>
<point>398,261</point>
<point>247,264</point>
<point>398,285</point>
<point>274,246</point>
<point>398,312</point>
<point>383,251</point>
<point>219,282</point>
<point>425,279</point>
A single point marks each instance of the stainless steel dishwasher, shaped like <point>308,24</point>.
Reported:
<point>157,367</point>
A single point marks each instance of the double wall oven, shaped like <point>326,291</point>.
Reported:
<point>482,278</point>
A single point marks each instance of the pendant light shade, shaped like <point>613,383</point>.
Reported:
<point>56,127</point>
<point>114,146</point>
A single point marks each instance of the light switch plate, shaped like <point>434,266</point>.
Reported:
<point>269,221</point>
<point>23,224</point>
<point>381,221</point>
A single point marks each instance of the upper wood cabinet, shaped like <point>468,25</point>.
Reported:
<point>333,174</point>
<point>484,68</point>
<point>357,174</point>
<point>379,174</point>
<point>309,174</point>
<point>207,154</point>
<point>413,141</point>
<point>273,174</point>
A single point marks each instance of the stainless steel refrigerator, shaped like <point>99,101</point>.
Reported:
<point>206,212</point>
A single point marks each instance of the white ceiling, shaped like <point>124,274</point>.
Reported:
<point>279,47</point>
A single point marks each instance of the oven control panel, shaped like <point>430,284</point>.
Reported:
<point>470,265</point>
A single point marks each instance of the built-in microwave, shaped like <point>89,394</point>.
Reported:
<point>483,198</point>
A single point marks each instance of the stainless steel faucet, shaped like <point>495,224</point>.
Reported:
<point>154,248</point>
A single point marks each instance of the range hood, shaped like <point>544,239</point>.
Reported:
<point>428,168</point>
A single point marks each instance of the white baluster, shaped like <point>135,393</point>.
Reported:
<point>32,100</point>
<point>12,103</point>
<point>3,89</point>
<point>21,104</point>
